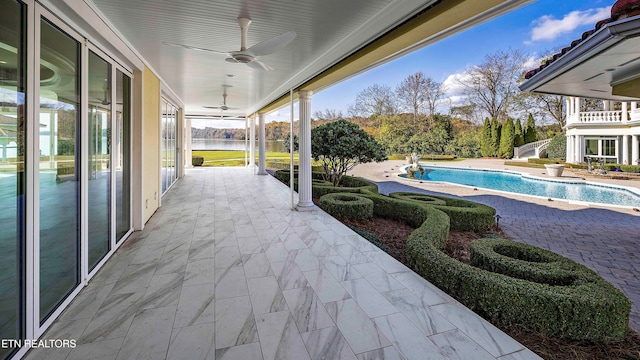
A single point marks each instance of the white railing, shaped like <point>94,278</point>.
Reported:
<point>537,147</point>
<point>602,116</point>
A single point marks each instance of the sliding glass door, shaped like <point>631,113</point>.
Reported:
<point>12,171</point>
<point>98,159</point>
<point>168,130</point>
<point>59,166</point>
<point>122,153</point>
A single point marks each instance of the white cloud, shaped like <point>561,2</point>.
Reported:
<point>453,83</point>
<point>548,28</point>
<point>532,62</point>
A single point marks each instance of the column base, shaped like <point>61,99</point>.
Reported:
<point>306,207</point>
<point>262,172</point>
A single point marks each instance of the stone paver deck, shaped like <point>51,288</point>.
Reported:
<point>225,270</point>
<point>606,239</point>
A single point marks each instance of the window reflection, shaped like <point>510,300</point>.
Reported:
<point>59,167</point>
<point>12,170</point>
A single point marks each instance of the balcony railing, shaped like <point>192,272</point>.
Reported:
<point>602,117</point>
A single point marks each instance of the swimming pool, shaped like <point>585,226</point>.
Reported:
<point>527,185</point>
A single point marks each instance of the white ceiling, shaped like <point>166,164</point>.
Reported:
<point>327,31</point>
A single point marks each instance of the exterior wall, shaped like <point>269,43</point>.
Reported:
<point>151,141</point>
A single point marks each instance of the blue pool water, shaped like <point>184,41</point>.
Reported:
<point>519,184</point>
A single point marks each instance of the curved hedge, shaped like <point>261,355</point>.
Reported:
<point>422,198</point>
<point>588,309</point>
<point>350,206</point>
<point>465,215</point>
<point>322,187</point>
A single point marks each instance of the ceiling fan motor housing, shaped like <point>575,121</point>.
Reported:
<point>243,58</point>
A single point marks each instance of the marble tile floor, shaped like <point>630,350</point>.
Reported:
<point>226,270</point>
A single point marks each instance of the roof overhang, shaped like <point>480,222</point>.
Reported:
<point>604,66</point>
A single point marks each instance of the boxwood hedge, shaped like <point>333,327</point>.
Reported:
<point>346,205</point>
<point>465,215</point>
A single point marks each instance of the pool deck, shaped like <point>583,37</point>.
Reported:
<point>604,238</point>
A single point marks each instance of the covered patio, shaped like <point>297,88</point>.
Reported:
<point>225,269</point>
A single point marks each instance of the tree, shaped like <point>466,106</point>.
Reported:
<point>549,106</point>
<point>530,130</point>
<point>411,94</point>
<point>507,138</point>
<point>492,85</point>
<point>519,134</point>
<point>433,142</point>
<point>466,144</point>
<point>557,148</point>
<point>327,114</point>
<point>374,100</point>
<point>485,142</point>
<point>496,131</point>
<point>341,145</point>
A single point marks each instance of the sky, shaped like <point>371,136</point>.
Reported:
<point>538,28</point>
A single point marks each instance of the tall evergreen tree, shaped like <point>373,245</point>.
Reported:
<point>507,138</point>
<point>485,141</point>
<point>519,134</point>
<point>496,129</point>
<point>530,130</point>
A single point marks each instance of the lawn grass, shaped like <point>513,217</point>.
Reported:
<point>235,157</point>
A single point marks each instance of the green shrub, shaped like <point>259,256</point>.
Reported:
<point>321,187</point>
<point>589,309</point>
<point>624,168</point>
<point>465,215</point>
<point>197,160</point>
<point>350,206</point>
<point>557,148</point>
<point>424,199</point>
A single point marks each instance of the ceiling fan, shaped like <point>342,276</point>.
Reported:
<point>224,103</point>
<point>250,55</point>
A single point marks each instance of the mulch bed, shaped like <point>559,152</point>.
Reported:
<point>393,235</point>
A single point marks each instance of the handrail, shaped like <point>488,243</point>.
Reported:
<point>537,146</point>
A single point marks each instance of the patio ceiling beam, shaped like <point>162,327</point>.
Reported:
<point>444,19</point>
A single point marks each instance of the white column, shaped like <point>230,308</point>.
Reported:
<point>252,142</point>
<point>625,111</point>
<point>577,154</point>
<point>304,150</point>
<point>569,149</point>
<point>262,148</point>
<point>634,105</point>
<point>187,144</point>
<point>625,149</point>
<point>635,153</point>
<point>576,105</point>
<point>567,102</point>
<point>605,105</point>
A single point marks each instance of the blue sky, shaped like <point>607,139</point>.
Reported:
<point>536,28</point>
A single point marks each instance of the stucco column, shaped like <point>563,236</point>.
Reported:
<point>625,149</point>
<point>187,144</point>
<point>577,155</point>
<point>262,147</point>
<point>567,109</point>
<point>304,168</point>
<point>576,105</point>
<point>635,150</point>
<point>252,142</point>
<point>625,111</point>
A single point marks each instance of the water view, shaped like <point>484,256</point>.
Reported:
<point>227,144</point>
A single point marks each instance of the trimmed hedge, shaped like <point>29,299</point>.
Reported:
<point>624,168</point>
<point>322,187</point>
<point>350,206</point>
<point>465,215</point>
<point>424,199</point>
<point>563,298</point>
<point>197,160</point>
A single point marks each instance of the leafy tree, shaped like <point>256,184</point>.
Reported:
<point>395,132</point>
<point>507,138</point>
<point>557,148</point>
<point>466,144</point>
<point>492,85</point>
<point>485,142</point>
<point>530,130</point>
<point>287,143</point>
<point>341,145</point>
<point>496,130</point>
<point>519,134</point>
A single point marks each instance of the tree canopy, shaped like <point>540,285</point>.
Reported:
<point>341,145</point>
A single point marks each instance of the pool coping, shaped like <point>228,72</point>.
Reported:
<point>633,190</point>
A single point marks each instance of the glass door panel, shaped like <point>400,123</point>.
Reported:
<point>12,171</point>
<point>122,152</point>
<point>98,159</point>
<point>59,167</point>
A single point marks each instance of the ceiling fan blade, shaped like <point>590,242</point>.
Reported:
<point>272,45</point>
<point>212,107</point>
<point>257,64</point>
<point>195,48</point>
